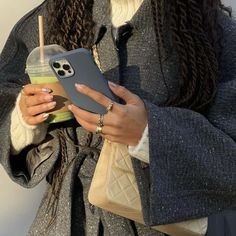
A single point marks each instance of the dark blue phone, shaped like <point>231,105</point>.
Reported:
<point>78,66</point>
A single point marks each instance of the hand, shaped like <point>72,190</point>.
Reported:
<point>35,101</point>
<point>123,124</point>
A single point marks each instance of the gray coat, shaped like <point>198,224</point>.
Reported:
<point>192,171</point>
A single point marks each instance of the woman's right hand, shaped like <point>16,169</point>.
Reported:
<point>35,103</point>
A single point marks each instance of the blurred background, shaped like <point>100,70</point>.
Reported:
<point>18,205</point>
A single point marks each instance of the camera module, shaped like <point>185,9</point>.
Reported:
<point>61,72</point>
<point>56,65</point>
<point>66,67</point>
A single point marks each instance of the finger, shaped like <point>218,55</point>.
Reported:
<point>123,93</point>
<point>109,119</point>
<point>111,138</point>
<point>109,131</point>
<point>95,95</point>
<point>35,120</point>
<point>85,115</point>
<point>38,109</point>
<point>38,99</point>
<point>86,125</point>
<point>31,89</point>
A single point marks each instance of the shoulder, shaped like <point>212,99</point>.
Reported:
<point>28,20</point>
<point>29,16</point>
<point>26,29</point>
<point>23,37</point>
<point>228,25</point>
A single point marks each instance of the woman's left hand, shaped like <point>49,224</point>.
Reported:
<point>123,123</point>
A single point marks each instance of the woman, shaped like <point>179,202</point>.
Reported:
<point>176,63</point>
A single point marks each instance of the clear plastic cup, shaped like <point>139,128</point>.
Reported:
<point>40,72</point>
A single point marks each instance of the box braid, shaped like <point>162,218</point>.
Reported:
<point>196,36</point>
<point>70,23</point>
<point>194,28</point>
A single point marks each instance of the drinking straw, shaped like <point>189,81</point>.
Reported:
<point>41,38</point>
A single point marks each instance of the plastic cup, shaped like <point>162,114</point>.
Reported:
<point>40,72</point>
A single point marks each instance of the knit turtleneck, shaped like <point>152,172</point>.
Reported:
<point>123,10</point>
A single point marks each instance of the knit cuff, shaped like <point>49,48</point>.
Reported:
<point>23,134</point>
<point>141,150</point>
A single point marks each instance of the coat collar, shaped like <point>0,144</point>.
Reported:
<point>102,17</point>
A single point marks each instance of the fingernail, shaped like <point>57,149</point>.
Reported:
<point>47,90</point>
<point>70,107</point>
<point>49,98</point>
<point>45,115</point>
<point>79,86</point>
<point>112,84</point>
<point>52,104</point>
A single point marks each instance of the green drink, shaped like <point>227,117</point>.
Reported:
<point>39,72</point>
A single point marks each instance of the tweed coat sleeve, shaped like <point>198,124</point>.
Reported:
<point>22,167</point>
<point>192,171</point>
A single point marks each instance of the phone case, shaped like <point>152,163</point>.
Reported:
<point>78,66</point>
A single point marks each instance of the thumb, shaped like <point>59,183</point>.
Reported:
<point>123,93</point>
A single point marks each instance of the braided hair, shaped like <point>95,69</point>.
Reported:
<point>196,35</point>
<point>70,23</point>
<point>194,28</point>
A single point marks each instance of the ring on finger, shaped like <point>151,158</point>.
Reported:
<point>100,121</point>
<point>98,130</point>
<point>110,106</point>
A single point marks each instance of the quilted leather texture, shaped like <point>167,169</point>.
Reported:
<point>114,186</point>
<point>123,188</point>
<point>114,189</point>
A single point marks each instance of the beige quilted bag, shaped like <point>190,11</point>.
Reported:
<point>114,189</point>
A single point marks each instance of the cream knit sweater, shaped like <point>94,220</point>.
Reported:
<point>123,10</point>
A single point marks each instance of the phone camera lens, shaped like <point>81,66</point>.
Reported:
<point>61,72</point>
<point>56,65</point>
<point>66,67</point>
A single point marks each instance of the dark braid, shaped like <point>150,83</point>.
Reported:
<point>196,35</point>
<point>56,177</point>
<point>71,23</point>
<point>158,27</point>
<point>194,28</point>
<point>208,52</point>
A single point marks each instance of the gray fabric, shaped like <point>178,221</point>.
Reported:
<point>192,157</point>
<point>222,224</point>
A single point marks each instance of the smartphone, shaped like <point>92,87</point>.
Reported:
<point>78,66</point>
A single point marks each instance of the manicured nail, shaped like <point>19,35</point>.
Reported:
<point>45,115</point>
<point>52,104</point>
<point>79,86</point>
<point>48,98</point>
<point>46,90</point>
<point>112,84</point>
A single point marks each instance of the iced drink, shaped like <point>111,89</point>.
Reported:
<point>40,72</point>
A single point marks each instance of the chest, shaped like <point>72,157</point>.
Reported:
<point>129,56</point>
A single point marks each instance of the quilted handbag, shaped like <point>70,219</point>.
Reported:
<point>114,189</point>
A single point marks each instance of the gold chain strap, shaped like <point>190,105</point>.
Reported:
<point>96,56</point>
